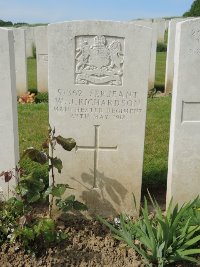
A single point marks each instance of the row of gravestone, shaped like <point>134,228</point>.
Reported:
<point>98,82</point>
<point>29,37</point>
<point>25,41</point>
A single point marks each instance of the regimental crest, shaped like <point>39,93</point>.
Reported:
<point>99,60</point>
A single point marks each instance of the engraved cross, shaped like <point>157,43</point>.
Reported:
<point>96,149</point>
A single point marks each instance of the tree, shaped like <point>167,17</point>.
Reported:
<point>194,10</point>
<point>5,23</point>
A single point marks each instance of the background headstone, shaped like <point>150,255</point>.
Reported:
<point>42,57</point>
<point>183,183</point>
<point>30,41</point>
<point>152,67</point>
<point>160,30</point>
<point>167,21</point>
<point>20,61</point>
<point>9,147</point>
<point>98,83</point>
<point>169,75</point>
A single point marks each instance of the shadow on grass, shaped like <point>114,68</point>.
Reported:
<point>155,181</point>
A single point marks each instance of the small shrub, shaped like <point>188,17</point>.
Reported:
<point>162,239</point>
<point>19,222</point>
<point>161,47</point>
<point>41,98</point>
<point>33,91</point>
<point>34,51</point>
<point>160,87</point>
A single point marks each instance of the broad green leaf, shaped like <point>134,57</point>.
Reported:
<point>66,143</point>
<point>35,155</point>
<point>57,163</point>
<point>59,190</point>
<point>56,191</point>
<point>35,196</point>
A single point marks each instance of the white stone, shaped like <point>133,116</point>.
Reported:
<point>30,41</point>
<point>183,182</point>
<point>152,67</point>
<point>160,30</point>
<point>42,57</point>
<point>8,111</point>
<point>167,21</point>
<point>169,75</point>
<point>20,61</point>
<point>98,83</point>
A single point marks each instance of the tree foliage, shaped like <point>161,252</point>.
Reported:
<point>194,10</point>
<point>5,23</point>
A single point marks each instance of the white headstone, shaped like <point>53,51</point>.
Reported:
<point>160,30</point>
<point>42,58</point>
<point>30,41</point>
<point>169,75</point>
<point>8,110</point>
<point>167,21</point>
<point>98,83</point>
<point>152,67</point>
<point>183,182</point>
<point>20,61</point>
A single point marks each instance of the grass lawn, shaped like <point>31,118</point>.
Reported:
<point>33,129</point>
<point>32,73</point>
<point>160,69</point>
<point>156,142</point>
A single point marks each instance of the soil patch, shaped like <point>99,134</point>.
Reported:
<point>89,244</point>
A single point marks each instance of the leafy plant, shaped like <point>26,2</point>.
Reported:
<point>33,91</point>
<point>41,97</point>
<point>161,47</point>
<point>163,238</point>
<point>34,51</point>
<point>17,221</point>
<point>58,190</point>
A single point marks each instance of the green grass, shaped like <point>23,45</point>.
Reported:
<point>156,142</point>
<point>32,73</point>
<point>160,69</point>
<point>33,129</point>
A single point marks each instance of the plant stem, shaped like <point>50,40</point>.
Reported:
<point>52,175</point>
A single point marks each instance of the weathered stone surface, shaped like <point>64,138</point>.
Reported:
<point>42,57</point>
<point>98,83</point>
<point>167,21</point>
<point>160,30</point>
<point>20,61</point>
<point>152,68</point>
<point>8,110</point>
<point>184,150</point>
<point>30,41</point>
<point>170,56</point>
<point>169,76</point>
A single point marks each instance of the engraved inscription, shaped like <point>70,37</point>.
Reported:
<point>190,112</point>
<point>99,60</point>
<point>96,148</point>
<point>98,103</point>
